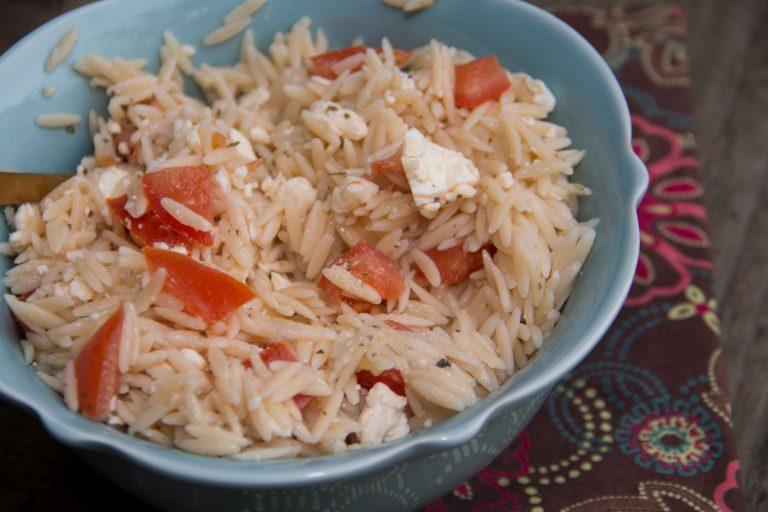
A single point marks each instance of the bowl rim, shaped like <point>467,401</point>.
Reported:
<point>65,426</point>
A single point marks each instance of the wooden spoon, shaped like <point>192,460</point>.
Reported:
<point>27,187</point>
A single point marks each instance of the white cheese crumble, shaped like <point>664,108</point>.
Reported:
<point>113,181</point>
<point>339,120</point>
<point>436,175</point>
<point>297,189</point>
<point>184,130</point>
<point>536,92</point>
<point>383,417</point>
<point>352,193</point>
<point>80,290</point>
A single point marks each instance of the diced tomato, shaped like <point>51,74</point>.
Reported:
<point>218,140</point>
<point>393,164</point>
<point>190,186</point>
<point>372,266</point>
<point>478,81</point>
<point>147,229</point>
<point>278,352</point>
<point>283,352</point>
<point>398,326</point>
<point>96,369</point>
<point>324,63</point>
<point>401,56</point>
<point>124,137</point>
<point>392,378</point>
<point>456,264</point>
<point>205,291</point>
<point>301,401</point>
<point>106,160</point>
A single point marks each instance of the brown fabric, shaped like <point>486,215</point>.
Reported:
<point>642,425</point>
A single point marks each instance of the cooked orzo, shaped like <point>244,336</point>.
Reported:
<point>334,249</point>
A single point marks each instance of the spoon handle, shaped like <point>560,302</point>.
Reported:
<point>26,187</point>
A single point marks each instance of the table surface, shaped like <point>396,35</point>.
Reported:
<point>728,53</point>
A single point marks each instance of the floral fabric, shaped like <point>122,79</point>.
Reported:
<point>644,423</point>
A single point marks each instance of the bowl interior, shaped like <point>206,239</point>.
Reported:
<point>590,106</point>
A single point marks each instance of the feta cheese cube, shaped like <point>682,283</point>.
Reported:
<point>113,181</point>
<point>352,193</point>
<point>383,417</point>
<point>338,120</point>
<point>436,175</point>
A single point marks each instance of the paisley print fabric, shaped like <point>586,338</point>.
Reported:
<point>644,423</point>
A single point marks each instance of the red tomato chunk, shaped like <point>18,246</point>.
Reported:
<point>278,352</point>
<point>393,164</point>
<point>479,81</point>
<point>205,291</point>
<point>392,378</point>
<point>371,266</point>
<point>456,264</point>
<point>190,186</point>
<point>124,138</point>
<point>96,369</point>
<point>283,352</point>
<point>324,63</point>
<point>147,229</point>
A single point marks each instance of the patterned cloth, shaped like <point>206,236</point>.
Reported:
<point>643,424</point>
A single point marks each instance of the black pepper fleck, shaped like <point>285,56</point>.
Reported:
<point>443,363</point>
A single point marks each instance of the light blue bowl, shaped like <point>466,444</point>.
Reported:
<point>412,471</point>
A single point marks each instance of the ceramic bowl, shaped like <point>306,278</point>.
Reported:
<point>409,472</point>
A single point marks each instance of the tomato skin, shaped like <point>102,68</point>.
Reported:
<point>301,401</point>
<point>398,326</point>
<point>278,352</point>
<point>479,81</point>
<point>393,164</point>
<point>96,369</point>
<point>401,56</point>
<point>456,264</point>
<point>331,292</point>
<point>124,137</point>
<point>188,185</point>
<point>283,352</point>
<point>147,229</point>
<point>323,63</point>
<point>370,265</point>
<point>206,292</point>
<point>392,378</point>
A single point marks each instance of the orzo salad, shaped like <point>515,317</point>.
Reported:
<point>334,248</point>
